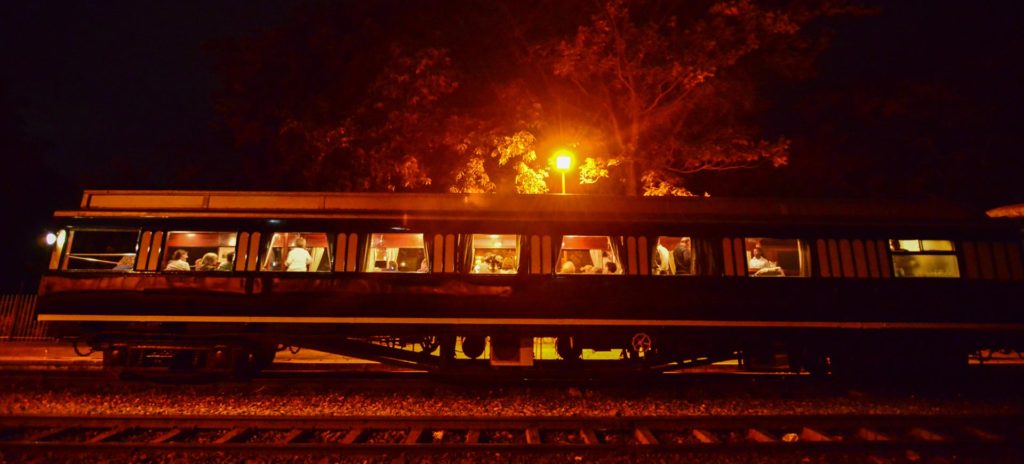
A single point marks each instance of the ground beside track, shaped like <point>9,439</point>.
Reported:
<point>402,396</point>
<point>348,396</point>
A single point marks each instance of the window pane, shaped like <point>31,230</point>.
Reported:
<point>913,265</point>
<point>495,254</point>
<point>588,254</point>
<point>672,256</point>
<point>103,250</point>
<point>298,252</point>
<point>199,251</point>
<point>773,257</point>
<point>937,245</point>
<point>905,245</point>
<point>396,253</point>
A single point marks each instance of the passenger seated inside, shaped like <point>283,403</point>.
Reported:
<point>906,266</point>
<point>228,262</point>
<point>209,262</point>
<point>126,263</point>
<point>493,254</point>
<point>588,254</point>
<point>761,266</point>
<point>201,244</point>
<point>178,262</point>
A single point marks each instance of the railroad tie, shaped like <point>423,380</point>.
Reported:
<point>809,434</point>
<point>46,434</point>
<point>759,436</point>
<point>925,434</point>
<point>644,436</point>
<point>292,435</point>
<point>867,434</point>
<point>166,436</point>
<point>413,436</point>
<point>105,435</point>
<point>589,437</point>
<point>704,436</point>
<point>351,436</point>
<point>532,436</point>
<point>231,435</point>
<point>984,435</point>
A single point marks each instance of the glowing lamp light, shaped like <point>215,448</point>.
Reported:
<point>51,238</point>
<point>563,162</point>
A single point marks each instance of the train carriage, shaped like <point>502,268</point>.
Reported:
<point>198,281</point>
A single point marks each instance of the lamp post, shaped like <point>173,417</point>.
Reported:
<point>563,161</point>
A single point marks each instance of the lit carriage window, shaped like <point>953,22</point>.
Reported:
<point>589,254</point>
<point>494,254</point>
<point>923,258</point>
<point>106,250</point>
<point>298,252</point>
<point>673,255</point>
<point>774,257</point>
<point>199,251</point>
<point>397,252</point>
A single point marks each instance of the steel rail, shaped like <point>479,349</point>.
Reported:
<point>366,434</point>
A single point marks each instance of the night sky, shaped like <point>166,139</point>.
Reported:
<point>922,100</point>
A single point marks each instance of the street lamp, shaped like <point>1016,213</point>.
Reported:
<point>563,161</point>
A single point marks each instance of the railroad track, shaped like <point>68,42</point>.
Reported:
<point>996,435</point>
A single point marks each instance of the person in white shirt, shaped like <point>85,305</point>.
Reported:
<point>761,266</point>
<point>178,262</point>
<point>663,263</point>
<point>757,261</point>
<point>298,258</point>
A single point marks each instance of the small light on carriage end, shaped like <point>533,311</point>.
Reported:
<point>51,238</point>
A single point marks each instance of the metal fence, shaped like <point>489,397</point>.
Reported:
<point>18,319</point>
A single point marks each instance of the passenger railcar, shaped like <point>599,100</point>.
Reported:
<point>203,280</point>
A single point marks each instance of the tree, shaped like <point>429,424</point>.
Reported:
<point>666,82</point>
<point>472,99</point>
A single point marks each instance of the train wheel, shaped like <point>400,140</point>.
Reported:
<point>429,344</point>
<point>473,346</point>
<point>264,356</point>
<point>114,362</point>
<point>254,359</point>
<point>567,348</point>
<point>447,354</point>
<point>641,344</point>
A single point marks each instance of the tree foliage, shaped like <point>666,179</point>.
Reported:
<point>474,97</point>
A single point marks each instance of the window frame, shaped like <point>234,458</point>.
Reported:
<point>614,243</point>
<point>69,245</point>
<point>805,256</point>
<point>166,250</point>
<point>953,252</point>
<point>267,242</point>
<point>469,254</point>
<point>425,237</point>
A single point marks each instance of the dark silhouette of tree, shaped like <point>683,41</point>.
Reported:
<point>473,97</point>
